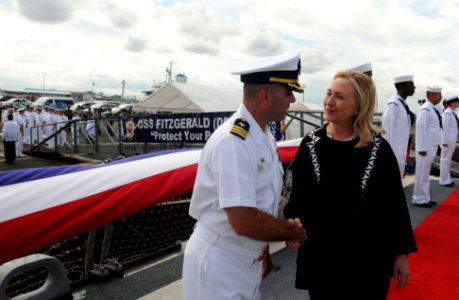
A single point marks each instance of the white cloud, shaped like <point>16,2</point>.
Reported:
<point>46,11</point>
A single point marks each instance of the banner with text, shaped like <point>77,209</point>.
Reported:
<point>173,128</point>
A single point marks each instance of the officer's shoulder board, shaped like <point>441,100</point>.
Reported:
<point>240,128</point>
<point>389,103</point>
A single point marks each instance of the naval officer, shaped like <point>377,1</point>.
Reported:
<point>10,134</point>
<point>237,190</point>
<point>398,119</point>
<point>448,139</point>
<point>427,140</point>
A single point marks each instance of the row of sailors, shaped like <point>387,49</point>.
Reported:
<point>436,131</point>
<point>41,122</point>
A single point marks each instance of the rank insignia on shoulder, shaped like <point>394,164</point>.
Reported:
<point>240,128</point>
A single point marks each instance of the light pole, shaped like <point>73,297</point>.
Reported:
<point>304,88</point>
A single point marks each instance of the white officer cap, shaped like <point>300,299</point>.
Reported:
<point>451,99</point>
<point>280,69</point>
<point>433,88</point>
<point>404,78</point>
<point>361,68</point>
<point>21,109</point>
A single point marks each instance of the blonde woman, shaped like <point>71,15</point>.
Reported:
<point>348,194</point>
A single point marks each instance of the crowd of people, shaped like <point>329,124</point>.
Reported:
<point>347,214</point>
<point>36,123</point>
<point>436,130</point>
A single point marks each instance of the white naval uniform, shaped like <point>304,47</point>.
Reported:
<point>218,263</point>
<point>51,129</point>
<point>41,121</point>
<point>396,124</point>
<point>62,122</point>
<point>21,120</point>
<point>31,122</point>
<point>449,137</point>
<point>428,138</point>
<point>75,125</point>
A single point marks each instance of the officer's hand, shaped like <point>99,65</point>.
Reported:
<point>298,232</point>
<point>265,257</point>
<point>422,153</point>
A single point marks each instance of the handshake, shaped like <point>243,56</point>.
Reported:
<point>298,234</point>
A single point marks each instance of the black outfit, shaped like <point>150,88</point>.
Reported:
<point>352,204</point>
<point>10,151</point>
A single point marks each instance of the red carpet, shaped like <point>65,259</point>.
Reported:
<point>435,267</point>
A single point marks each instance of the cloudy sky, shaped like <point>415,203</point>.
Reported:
<point>69,45</point>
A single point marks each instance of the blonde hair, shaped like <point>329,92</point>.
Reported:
<point>366,99</point>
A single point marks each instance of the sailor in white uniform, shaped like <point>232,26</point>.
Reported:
<point>428,139</point>
<point>31,123</point>
<point>237,190</point>
<point>41,122</point>
<point>21,119</point>
<point>448,139</point>
<point>398,119</point>
<point>51,126</point>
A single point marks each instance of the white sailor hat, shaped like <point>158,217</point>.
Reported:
<point>281,69</point>
<point>451,99</point>
<point>361,68</point>
<point>404,78</point>
<point>433,88</point>
<point>21,109</point>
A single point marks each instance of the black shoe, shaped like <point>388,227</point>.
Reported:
<point>433,203</point>
<point>428,204</point>
<point>451,184</point>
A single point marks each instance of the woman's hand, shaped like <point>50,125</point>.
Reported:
<point>401,271</point>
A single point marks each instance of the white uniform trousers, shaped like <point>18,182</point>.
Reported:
<point>20,145</point>
<point>421,192</point>
<point>213,271</point>
<point>445,163</point>
<point>30,135</point>
<point>39,137</point>
<point>27,135</point>
<point>401,160</point>
<point>62,137</point>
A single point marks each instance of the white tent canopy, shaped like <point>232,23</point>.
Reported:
<point>186,97</point>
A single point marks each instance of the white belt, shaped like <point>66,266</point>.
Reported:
<point>224,243</point>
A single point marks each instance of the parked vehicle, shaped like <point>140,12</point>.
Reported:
<point>16,102</point>
<point>55,101</point>
<point>103,107</point>
<point>84,106</point>
<point>127,107</point>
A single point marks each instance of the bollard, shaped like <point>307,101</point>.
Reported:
<point>56,284</point>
